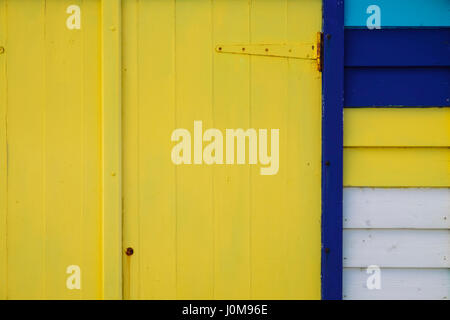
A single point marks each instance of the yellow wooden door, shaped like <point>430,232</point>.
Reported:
<point>219,231</point>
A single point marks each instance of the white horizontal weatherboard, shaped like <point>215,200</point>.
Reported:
<point>402,208</point>
<point>397,248</point>
<point>398,284</point>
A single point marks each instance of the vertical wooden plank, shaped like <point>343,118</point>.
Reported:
<point>282,217</point>
<point>63,149</point>
<point>3,153</point>
<point>156,172</point>
<point>72,144</point>
<point>91,241</point>
<point>332,137</point>
<point>231,109</point>
<point>195,213</point>
<point>304,114</point>
<point>268,110</point>
<point>131,213</point>
<point>25,119</point>
<point>111,148</point>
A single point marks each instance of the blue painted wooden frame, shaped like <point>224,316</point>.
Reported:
<point>332,147</point>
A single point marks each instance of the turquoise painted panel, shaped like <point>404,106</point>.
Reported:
<point>400,13</point>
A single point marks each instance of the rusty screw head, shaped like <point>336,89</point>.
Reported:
<point>129,251</point>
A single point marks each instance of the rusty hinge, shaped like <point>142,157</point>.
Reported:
<point>319,51</point>
<point>308,51</point>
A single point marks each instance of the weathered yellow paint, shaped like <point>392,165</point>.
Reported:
<point>394,127</point>
<point>397,167</point>
<point>56,202</point>
<point>221,231</point>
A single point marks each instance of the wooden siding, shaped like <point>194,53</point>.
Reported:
<point>397,127</point>
<point>399,13</point>
<point>397,248</point>
<point>408,284</point>
<point>385,208</point>
<point>403,231</point>
<point>396,167</point>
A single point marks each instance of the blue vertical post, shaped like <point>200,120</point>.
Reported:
<point>332,147</point>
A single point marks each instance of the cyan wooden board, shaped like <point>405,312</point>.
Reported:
<point>400,13</point>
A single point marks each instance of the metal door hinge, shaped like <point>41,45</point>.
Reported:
<point>319,51</point>
<point>307,51</point>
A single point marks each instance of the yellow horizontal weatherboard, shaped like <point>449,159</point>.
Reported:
<point>397,167</point>
<point>397,127</point>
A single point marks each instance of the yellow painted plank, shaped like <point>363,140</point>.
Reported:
<point>112,147</point>
<point>63,149</point>
<point>195,213</point>
<point>397,167</point>
<point>72,143</point>
<point>231,183</point>
<point>157,88</point>
<point>283,219</point>
<point>25,118</point>
<point>150,181</point>
<point>303,172</point>
<point>268,106</point>
<point>131,234</point>
<point>3,154</point>
<point>92,143</point>
<point>393,127</point>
